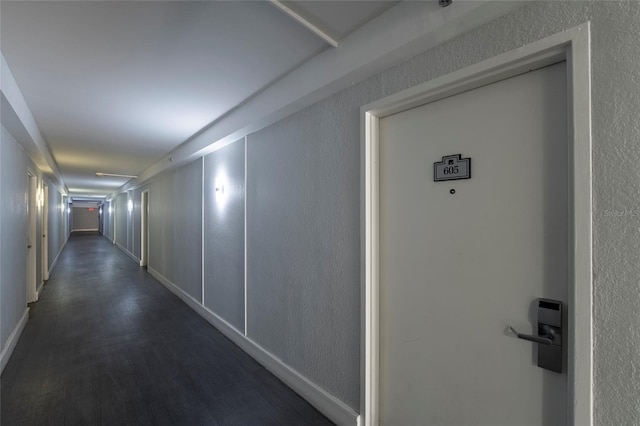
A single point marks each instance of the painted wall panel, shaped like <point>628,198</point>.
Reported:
<point>175,220</point>
<point>106,219</point>
<point>4,134</point>
<point>54,237</point>
<point>13,250</point>
<point>224,233</point>
<point>39,278</point>
<point>303,243</point>
<point>121,220</point>
<point>83,218</point>
<point>137,219</point>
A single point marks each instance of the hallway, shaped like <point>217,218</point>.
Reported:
<point>106,344</point>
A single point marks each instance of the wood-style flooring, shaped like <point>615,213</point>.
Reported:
<point>106,344</point>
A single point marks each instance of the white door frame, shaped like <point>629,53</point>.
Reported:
<point>114,210</point>
<point>144,228</point>
<point>32,237</point>
<point>573,46</point>
<point>45,231</point>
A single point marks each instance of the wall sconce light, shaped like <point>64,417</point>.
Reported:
<point>219,189</point>
<point>110,209</point>
<point>130,206</point>
<point>40,197</point>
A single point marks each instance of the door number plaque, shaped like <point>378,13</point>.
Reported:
<point>452,167</point>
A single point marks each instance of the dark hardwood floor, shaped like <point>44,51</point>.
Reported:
<point>106,344</point>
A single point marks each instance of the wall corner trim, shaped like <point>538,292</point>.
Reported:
<point>53,264</point>
<point>12,341</point>
<point>336,410</point>
<point>39,290</point>
<point>127,252</point>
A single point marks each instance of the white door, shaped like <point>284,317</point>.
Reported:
<point>32,294</point>
<point>45,232</point>
<point>461,260</point>
<point>144,229</point>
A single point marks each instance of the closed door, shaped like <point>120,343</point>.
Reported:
<point>45,232</point>
<point>32,294</point>
<point>461,260</point>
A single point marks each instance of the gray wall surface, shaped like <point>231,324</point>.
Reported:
<point>303,243</point>
<point>85,219</point>
<point>175,220</point>
<point>137,220</point>
<point>122,224</point>
<point>303,208</point>
<point>224,234</point>
<point>13,278</point>
<point>107,218</point>
<point>14,166</point>
<point>57,230</point>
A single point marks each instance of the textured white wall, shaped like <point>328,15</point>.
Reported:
<point>303,243</point>
<point>3,134</point>
<point>175,221</point>
<point>224,234</point>
<point>14,167</point>
<point>137,220</point>
<point>13,193</point>
<point>106,220</point>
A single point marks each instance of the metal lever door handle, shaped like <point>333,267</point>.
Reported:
<point>543,340</point>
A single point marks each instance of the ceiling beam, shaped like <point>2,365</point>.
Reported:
<point>305,22</point>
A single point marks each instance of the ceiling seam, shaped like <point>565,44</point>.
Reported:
<point>305,22</point>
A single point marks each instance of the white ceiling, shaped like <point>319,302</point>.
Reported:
<point>116,85</point>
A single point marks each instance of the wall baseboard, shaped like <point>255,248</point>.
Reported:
<point>128,253</point>
<point>85,230</point>
<point>39,290</point>
<point>53,264</point>
<point>12,341</point>
<point>330,406</point>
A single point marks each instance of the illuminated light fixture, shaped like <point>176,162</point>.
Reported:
<point>130,206</point>
<point>40,197</point>
<point>100,174</point>
<point>219,188</point>
<point>110,210</point>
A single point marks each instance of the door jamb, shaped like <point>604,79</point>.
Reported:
<point>144,228</point>
<point>45,231</point>
<point>572,45</point>
<point>32,236</point>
